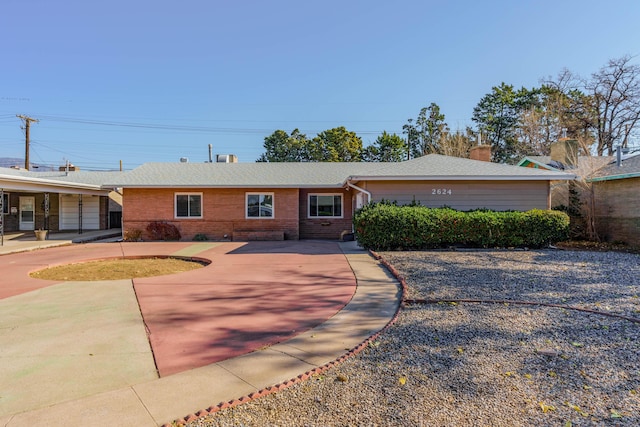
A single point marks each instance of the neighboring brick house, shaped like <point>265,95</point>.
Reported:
<point>617,200</point>
<point>57,201</point>
<point>272,201</point>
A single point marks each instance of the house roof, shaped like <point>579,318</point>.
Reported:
<point>320,175</point>
<point>629,168</point>
<point>57,182</point>
<point>439,167</point>
<point>584,163</point>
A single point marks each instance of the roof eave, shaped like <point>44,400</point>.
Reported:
<point>567,177</point>
<point>614,177</point>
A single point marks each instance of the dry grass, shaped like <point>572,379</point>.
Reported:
<point>116,269</point>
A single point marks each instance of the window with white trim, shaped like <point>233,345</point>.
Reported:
<point>188,205</point>
<point>259,205</point>
<point>325,205</point>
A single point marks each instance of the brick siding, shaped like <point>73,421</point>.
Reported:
<point>223,212</point>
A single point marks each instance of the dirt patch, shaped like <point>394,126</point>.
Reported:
<point>118,268</point>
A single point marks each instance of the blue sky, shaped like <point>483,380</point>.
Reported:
<point>156,80</point>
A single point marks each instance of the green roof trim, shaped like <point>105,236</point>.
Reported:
<point>614,177</point>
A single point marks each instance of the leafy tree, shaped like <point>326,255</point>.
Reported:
<point>424,137</point>
<point>336,145</point>
<point>386,148</point>
<point>282,147</point>
<point>497,116</point>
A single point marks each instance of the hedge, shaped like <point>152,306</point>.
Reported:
<point>384,226</point>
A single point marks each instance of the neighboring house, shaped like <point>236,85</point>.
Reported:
<point>617,200</point>
<point>273,201</point>
<point>57,201</point>
<point>564,158</point>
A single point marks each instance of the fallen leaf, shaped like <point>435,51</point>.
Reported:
<point>508,374</point>
<point>460,350</point>
<point>527,376</point>
<point>402,380</point>
<point>546,408</point>
<point>615,414</point>
<point>577,344</point>
<point>552,374</point>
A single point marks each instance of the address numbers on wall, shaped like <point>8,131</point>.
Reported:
<point>441,192</point>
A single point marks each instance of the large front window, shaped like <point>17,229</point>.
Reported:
<point>260,205</point>
<point>188,205</point>
<point>325,206</point>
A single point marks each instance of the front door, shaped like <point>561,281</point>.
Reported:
<point>27,213</point>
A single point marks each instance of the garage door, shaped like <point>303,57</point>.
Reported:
<point>69,218</point>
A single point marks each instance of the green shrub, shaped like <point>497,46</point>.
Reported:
<point>200,237</point>
<point>386,226</point>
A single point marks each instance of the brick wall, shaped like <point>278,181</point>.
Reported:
<point>324,228</point>
<point>223,212</point>
<point>618,210</point>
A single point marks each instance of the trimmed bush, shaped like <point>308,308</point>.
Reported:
<point>385,226</point>
<point>160,230</point>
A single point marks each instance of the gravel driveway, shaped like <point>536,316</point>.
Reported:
<point>485,364</point>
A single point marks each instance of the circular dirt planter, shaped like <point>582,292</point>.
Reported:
<point>121,268</point>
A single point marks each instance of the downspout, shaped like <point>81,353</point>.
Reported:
<point>362,190</point>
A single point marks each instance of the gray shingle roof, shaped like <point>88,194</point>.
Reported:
<point>436,166</point>
<point>629,168</point>
<point>310,175</point>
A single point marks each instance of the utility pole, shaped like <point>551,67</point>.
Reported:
<point>27,124</point>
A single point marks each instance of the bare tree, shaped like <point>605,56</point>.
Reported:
<point>457,144</point>
<point>615,92</point>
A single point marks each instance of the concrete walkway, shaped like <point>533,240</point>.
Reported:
<point>143,399</point>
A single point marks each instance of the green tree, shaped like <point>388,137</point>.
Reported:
<point>497,116</point>
<point>386,148</point>
<point>426,134</point>
<point>282,147</point>
<point>336,145</point>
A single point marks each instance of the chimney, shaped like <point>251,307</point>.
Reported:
<point>565,151</point>
<point>480,152</point>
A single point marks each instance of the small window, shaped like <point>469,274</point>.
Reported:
<point>325,206</point>
<point>188,205</point>
<point>5,203</point>
<point>260,205</point>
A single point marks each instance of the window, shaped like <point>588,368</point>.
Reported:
<point>260,205</point>
<point>188,205</point>
<point>325,206</point>
<point>5,203</point>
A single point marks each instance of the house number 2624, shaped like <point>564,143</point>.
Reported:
<point>441,191</point>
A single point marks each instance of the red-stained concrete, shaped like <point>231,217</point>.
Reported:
<point>251,295</point>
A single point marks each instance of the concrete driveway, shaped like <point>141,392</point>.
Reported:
<point>65,341</point>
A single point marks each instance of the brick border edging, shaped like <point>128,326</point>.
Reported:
<point>308,374</point>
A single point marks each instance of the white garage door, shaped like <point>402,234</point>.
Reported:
<point>69,218</point>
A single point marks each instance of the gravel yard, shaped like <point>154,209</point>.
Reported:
<point>484,364</point>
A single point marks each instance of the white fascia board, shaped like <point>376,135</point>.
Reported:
<point>199,186</point>
<point>559,177</point>
<point>14,183</point>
